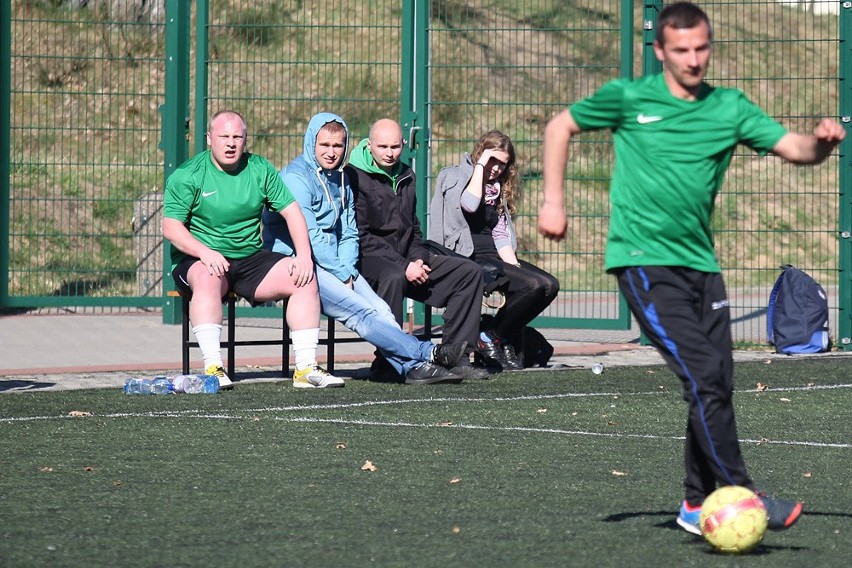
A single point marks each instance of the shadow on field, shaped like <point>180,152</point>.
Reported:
<point>671,524</point>
<point>22,385</point>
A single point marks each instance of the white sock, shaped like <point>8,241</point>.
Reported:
<point>305,343</point>
<point>209,338</point>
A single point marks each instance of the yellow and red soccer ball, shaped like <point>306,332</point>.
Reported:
<point>733,519</point>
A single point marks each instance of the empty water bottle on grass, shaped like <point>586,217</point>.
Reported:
<point>191,384</point>
<point>157,385</point>
<point>196,384</point>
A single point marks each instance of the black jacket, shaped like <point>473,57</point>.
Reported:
<point>387,222</point>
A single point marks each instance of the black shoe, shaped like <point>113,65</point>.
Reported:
<point>448,354</point>
<point>782,514</point>
<point>488,354</point>
<point>510,360</point>
<point>430,373</point>
<point>465,370</point>
<point>382,371</point>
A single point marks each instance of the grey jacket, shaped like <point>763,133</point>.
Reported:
<point>447,224</point>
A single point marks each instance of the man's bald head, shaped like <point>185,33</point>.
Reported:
<point>385,143</point>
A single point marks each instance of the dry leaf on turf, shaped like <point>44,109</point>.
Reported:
<point>447,423</point>
<point>340,446</point>
<point>784,400</point>
<point>808,474</point>
<point>45,469</point>
<point>79,413</point>
<point>456,530</point>
<point>762,387</point>
<point>617,473</point>
<point>88,468</point>
<point>455,480</point>
<point>541,410</point>
<point>368,466</point>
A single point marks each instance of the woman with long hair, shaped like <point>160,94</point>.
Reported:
<point>471,214</point>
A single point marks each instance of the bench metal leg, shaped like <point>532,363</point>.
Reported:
<point>329,347</point>
<point>285,341</point>
<point>184,324</point>
<point>232,328</point>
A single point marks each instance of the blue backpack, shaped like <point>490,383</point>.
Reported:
<point>797,315</point>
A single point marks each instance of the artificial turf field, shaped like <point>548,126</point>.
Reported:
<point>544,468</point>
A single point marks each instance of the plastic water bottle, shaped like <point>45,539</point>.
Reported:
<point>157,385</point>
<point>196,384</point>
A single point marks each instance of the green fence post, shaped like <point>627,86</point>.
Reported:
<point>414,94</point>
<point>5,144</point>
<point>202,49</point>
<point>844,284</point>
<point>650,63</point>
<point>175,116</point>
<point>627,39</point>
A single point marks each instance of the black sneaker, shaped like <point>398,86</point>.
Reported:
<point>430,373</point>
<point>782,514</point>
<point>448,354</point>
<point>465,370</point>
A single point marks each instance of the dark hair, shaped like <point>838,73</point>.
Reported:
<point>681,16</point>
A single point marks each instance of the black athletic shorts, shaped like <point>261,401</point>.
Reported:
<point>244,275</point>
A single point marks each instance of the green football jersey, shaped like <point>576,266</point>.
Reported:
<point>223,209</point>
<point>670,159</point>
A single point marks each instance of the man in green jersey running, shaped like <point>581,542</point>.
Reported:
<point>212,209</point>
<point>674,136</point>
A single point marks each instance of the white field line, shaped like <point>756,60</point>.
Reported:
<point>243,414</point>
<point>545,431</point>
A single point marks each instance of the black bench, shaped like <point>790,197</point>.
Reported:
<point>231,343</point>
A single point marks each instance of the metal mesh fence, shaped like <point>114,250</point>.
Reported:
<point>769,212</point>
<point>281,62</point>
<point>511,66</point>
<point>87,81</point>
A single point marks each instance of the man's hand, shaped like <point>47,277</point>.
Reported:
<point>829,131</point>
<point>214,262</point>
<point>552,222</point>
<point>301,270</point>
<point>417,272</point>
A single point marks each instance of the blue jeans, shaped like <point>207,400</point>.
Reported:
<point>362,311</point>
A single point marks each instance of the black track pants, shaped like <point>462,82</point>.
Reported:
<point>454,283</point>
<point>685,314</point>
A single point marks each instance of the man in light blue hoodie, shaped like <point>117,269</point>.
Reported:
<point>317,181</point>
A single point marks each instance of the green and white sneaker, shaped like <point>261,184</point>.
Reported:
<point>315,378</point>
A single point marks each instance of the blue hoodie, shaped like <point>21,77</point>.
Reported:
<point>326,200</point>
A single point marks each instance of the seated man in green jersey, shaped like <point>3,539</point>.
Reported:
<point>674,138</point>
<point>212,209</point>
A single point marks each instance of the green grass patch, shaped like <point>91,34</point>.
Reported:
<point>551,468</point>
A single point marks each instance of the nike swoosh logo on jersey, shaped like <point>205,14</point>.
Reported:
<point>642,119</point>
<point>207,193</point>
